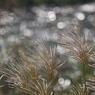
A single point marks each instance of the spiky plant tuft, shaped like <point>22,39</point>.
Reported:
<point>34,73</point>
<point>80,49</point>
<point>79,89</point>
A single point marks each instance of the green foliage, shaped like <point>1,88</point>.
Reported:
<point>66,2</point>
<point>41,1</point>
<point>19,2</point>
<point>38,2</point>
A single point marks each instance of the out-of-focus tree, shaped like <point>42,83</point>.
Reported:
<point>65,2</point>
<point>18,3</point>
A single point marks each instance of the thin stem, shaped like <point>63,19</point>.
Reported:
<point>84,79</point>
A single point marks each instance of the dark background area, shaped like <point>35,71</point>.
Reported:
<point>19,3</point>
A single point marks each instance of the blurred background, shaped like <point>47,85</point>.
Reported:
<point>22,21</point>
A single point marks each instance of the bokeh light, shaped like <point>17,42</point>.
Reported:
<point>80,16</point>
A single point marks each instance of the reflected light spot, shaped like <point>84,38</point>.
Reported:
<point>12,38</point>
<point>80,16</point>
<point>94,40</point>
<point>40,19</point>
<point>45,35</point>
<point>90,18</point>
<point>87,33</point>
<point>41,13</point>
<point>31,24</point>
<point>3,31</point>
<point>52,16</point>
<point>7,19</point>
<point>27,32</point>
<point>61,25</point>
<point>1,41</point>
<point>67,82</point>
<point>87,8</point>
<point>61,81</point>
<point>56,9</point>
<point>60,50</point>
<point>72,60</point>
<point>23,26</point>
<point>55,36</point>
